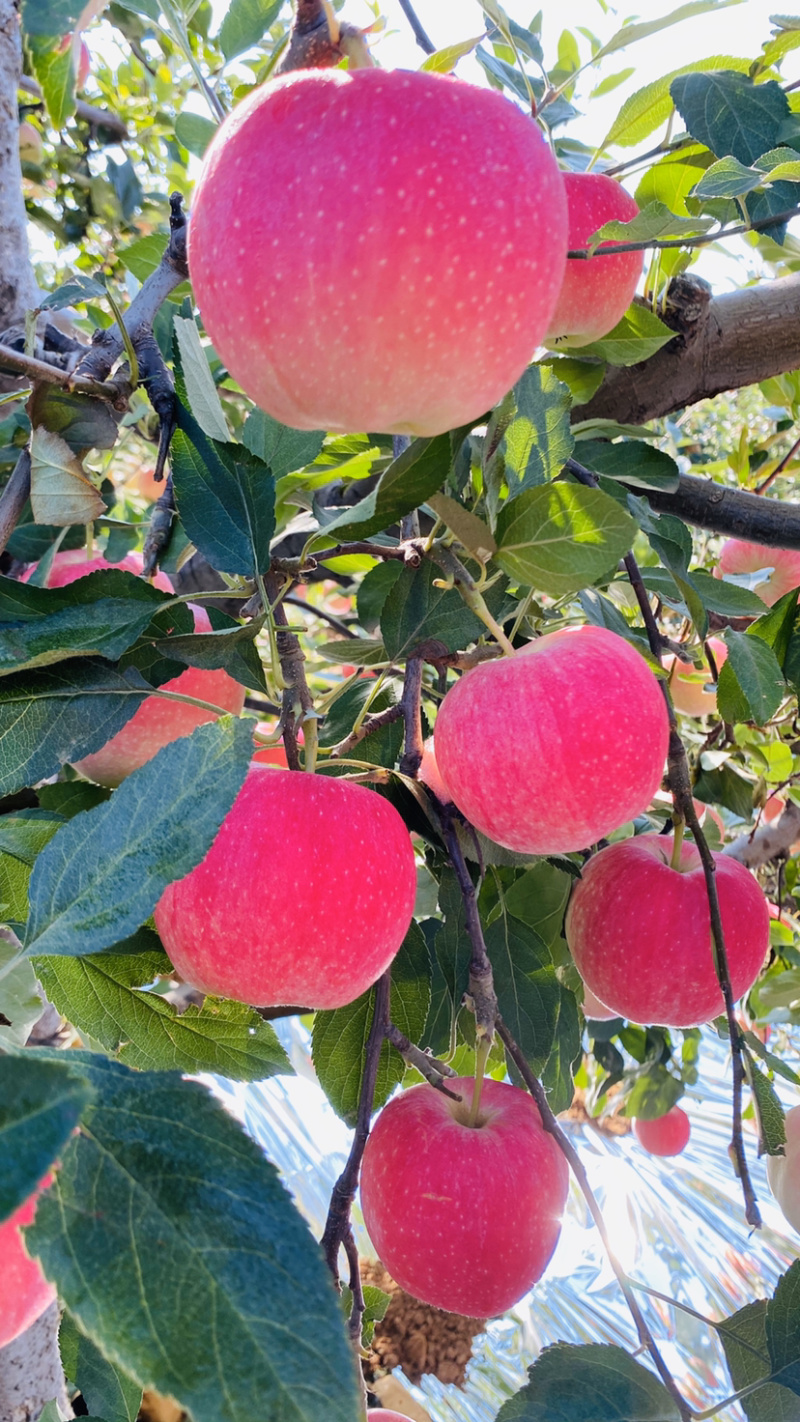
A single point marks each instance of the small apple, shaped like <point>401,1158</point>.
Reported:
<point>25,1293</point>
<point>738,556</point>
<point>595,293</point>
<point>688,686</point>
<point>783,1171</point>
<point>551,749</point>
<point>664,1135</point>
<point>31,146</point>
<point>430,775</point>
<point>434,235</point>
<point>640,931</point>
<point>304,897</point>
<point>464,1217</point>
<point>157,721</point>
<point>594,1010</point>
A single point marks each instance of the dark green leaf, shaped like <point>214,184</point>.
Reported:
<point>744,1338</point>
<point>82,421</point>
<point>62,714</point>
<point>373,591</point>
<point>537,440</point>
<point>727,178</point>
<point>783,1329</point>
<point>634,461</point>
<point>71,797</point>
<point>221,650</point>
<point>279,446</point>
<point>602,612</point>
<point>726,598</point>
<point>562,537</point>
<point>451,955</point>
<point>76,289</point>
<point>100,995</point>
<point>41,1103</point>
<point>528,991</point>
<point>245,23</point>
<point>105,872</point>
<point>100,629</point>
<point>107,1391</point>
<point>568,1383</point>
<point>194,132</point>
<point>539,899</point>
<point>725,787</point>
<point>340,1037</point>
<point>225,497</point>
<point>418,472</point>
<point>729,113</point>
<point>776,627</point>
<point>239,1319</point>
<point>751,685</point>
<point>566,1054</point>
<point>418,614</point>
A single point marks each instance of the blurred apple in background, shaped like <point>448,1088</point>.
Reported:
<point>640,931</point>
<point>688,685</point>
<point>594,1009</point>
<point>24,1291</point>
<point>30,143</point>
<point>664,1135</point>
<point>430,775</point>
<point>783,1171</point>
<point>740,557</point>
<point>595,293</point>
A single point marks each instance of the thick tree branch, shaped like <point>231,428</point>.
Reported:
<point>18,290</point>
<point>736,339</point>
<point>732,512</point>
<point>31,1374</point>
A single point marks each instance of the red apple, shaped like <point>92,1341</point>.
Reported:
<point>304,897</point>
<point>157,722</point>
<point>597,292</point>
<point>664,1135</point>
<point>740,557</point>
<point>594,1009</point>
<point>640,931</point>
<point>406,263</point>
<point>783,1171</point>
<point>551,749</point>
<point>688,686</point>
<point>464,1217</point>
<point>430,775</point>
<point>31,146</point>
<point>382,1415</point>
<point>25,1293</point>
<point>774,807</point>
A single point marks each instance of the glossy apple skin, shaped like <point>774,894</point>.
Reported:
<point>157,722</point>
<point>304,897</point>
<point>664,1135</point>
<point>737,556</point>
<point>640,932</point>
<point>549,750</point>
<point>783,1171</point>
<point>464,1219</point>
<point>25,1293</point>
<point>687,686</point>
<point>595,294</point>
<point>377,250</point>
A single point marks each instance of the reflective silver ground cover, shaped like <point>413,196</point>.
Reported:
<point>677,1225</point>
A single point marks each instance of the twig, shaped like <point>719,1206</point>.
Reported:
<point>14,497</point>
<point>779,468</point>
<point>338,1229</point>
<point>54,375</point>
<point>419,34</point>
<point>582,254</point>
<point>296,694</point>
<point>576,1165</point>
<point>682,142</point>
<point>411,710</point>
<point>89,113</point>
<point>481,980</point>
<point>322,614</point>
<point>368,725</point>
<point>427,1065</point>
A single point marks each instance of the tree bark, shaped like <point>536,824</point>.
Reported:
<point>18,290</point>
<point>31,1374</point>
<point>727,342</point>
<point>732,512</point>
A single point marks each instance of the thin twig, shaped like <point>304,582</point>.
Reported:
<point>481,979</point>
<point>434,1071</point>
<point>582,254</point>
<point>576,1165</point>
<point>321,613</point>
<point>419,34</point>
<point>297,699</point>
<point>54,375</point>
<point>411,709</point>
<point>787,458</point>
<point>662,147</point>
<point>14,497</point>
<point>338,1229</point>
<point>368,725</point>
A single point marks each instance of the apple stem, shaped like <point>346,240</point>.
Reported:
<point>481,1058</point>
<point>468,588</point>
<point>677,841</point>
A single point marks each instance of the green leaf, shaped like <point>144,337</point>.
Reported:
<point>71,797</point>
<point>649,107</point>
<point>41,1103</point>
<point>671,180</point>
<point>537,439</point>
<point>219,650</point>
<point>633,461</point>
<point>539,898</point>
<point>582,377</point>
<point>654,1093</point>
<point>566,1054</point>
<point>783,1329</point>
<point>225,497</point>
<point>751,685</point>
<point>23,835</point>
<point>444,61</point>
<point>562,537</point>
<point>726,598</point>
<point>282,448</point>
<point>360,651</point>
<point>83,628</point>
<point>52,66</point>
<point>636,337</point>
<point>451,955</point>
<point>144,256</point>
<point>202,394</point>
<point>61,714</point>
<point>569,1383</point>
<point>339,1038</point>
<point>528,991</point>
<point>75,290</point>
<point>409,480</point>
<point>727,788</point>
<point>744,1338</point>
<point>100,995</point>
<point>631,33</point>
<point>50,17</point>
<point>239,1320</point>
<point>653,223</point>
<point>417,614</point>
<point>245,23</point>
<point>194,132</point>
<point>107,1391</point>
<point>769,1112</point>
<point>727,178</point>
<point>105,872</point>
<point>471,531</point>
